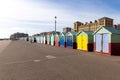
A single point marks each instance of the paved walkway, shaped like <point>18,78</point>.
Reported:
<point>4,44</point>
<point>21,60</point>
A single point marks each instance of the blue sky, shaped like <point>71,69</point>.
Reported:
<point>35,16</point>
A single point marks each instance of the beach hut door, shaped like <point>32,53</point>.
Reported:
<point>44,39</point>
<point>69,41</point>
<point>105,43</point>
<point>62,41</point>
<point>102,43</point>
<point>98,42</point>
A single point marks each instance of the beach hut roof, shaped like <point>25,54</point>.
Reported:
<point>112,30</point>
<point>73,33</point>
<point>87,32</point>
<point>58,33</point>
<point>62,33</point>
<point>55,33</point>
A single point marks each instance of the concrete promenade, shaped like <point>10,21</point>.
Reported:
<point>20,60</point>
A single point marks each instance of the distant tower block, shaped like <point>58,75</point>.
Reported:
<point>67,29</point>
<point>105,21</point>
<point>76,25</point>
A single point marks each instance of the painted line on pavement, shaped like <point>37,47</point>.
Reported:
<point>50,57</point>
<point>19,62</point>
<point>36,60</point>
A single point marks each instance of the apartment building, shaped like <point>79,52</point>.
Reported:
<point>93,26</point>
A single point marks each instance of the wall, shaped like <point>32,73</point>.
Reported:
<point>115,38</point>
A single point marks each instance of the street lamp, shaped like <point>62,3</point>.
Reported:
<point>55,23</point>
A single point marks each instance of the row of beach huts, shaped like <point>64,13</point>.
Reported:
<point>105,40</point>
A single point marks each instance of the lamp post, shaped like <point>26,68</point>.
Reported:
<point>55,28</point>
<point>55,23</point>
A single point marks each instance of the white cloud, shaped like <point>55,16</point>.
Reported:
<point>34,17</point>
